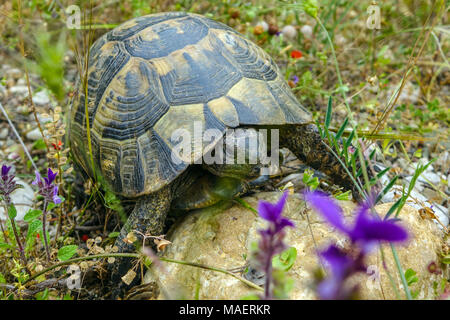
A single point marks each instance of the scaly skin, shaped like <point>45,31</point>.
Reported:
<point>307,145</point>
<point>147,217</point>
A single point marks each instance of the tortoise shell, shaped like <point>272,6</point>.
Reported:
<point>162,72</point>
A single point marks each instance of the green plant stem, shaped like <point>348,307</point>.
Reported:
<point>137,256</point>
<point>400,271</point>
<point>44,233</point>
<point>7,205</point>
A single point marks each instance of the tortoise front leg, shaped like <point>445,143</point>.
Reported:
<point>148,217</point>
<point>307,145</point>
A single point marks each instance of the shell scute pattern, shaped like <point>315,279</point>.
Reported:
<point>159,73</point>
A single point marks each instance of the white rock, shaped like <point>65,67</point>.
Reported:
<point>41,98</point>
<point>34,134</point>
<point>433,177</point>
<point>13,156</point>
<point>3,133</point>
<point>289,32</point>
<point>442,214</point>
<point>22,199</point>
<point>307,31</point>
<point>19,90</point>
<point>2,90</point>
<point>223,237</point>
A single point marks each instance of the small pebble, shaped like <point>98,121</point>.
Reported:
<point>41,98</point>
<point>3,133</point>
<point>289,32</point>
<point>34,134</point>
<point>14,73</point>
<point>22,198</point>
<point>307,31</point>
<point>19,90</point>
<point>13,156</point>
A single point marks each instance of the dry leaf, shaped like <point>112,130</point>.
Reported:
<point>131,238</point>
<point>129,277</point>
<point>161,244</point>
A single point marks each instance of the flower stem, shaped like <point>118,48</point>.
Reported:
<point>44,233</point>
<point>16,234</point>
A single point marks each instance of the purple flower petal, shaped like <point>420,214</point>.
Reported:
<point>51,176</point>
<point>5,170</point>
<point>38,180</point>
<point>282,223</point>
<point>56,200</point>
<point>272,212</point>
<point>327,208</point>
<point>367,229</point>
<point>338,262</point>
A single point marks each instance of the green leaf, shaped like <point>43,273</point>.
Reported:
<point>114,234</point>
<point>252,296</point>
<point>341,129</point>
<point>386,189</point>
<point>446,259</point>
<point>343,195</point>
<point>66,252</point>
<point>50,206</point>
<point>12,212</point>
<point>67,296</point>
<point>34,226</point>
<point>310,180</point>
<point>392,209</point>
<point>329,112</point>
<point>42,295</point>
<point>411,277</point>
<point>285,260</point>
<point>31,215</point>
<point>39,145</point>
<point>4,245</point>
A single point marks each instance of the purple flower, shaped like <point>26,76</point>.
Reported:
<point>5,170</point>
<point>271,242</point>
<point>272,213</point>
<point>46,186</point>
<point>7,183</point>
<point>295,79</point>
<point>365,233</point>
<point>341,266</point>
<point>367,229</point>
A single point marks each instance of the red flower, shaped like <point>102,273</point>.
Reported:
<point>38,236</point>
<point>296,54</point>
<point>57,146</point>
<point>84,237</point>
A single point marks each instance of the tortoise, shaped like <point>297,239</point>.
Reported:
<point>158,73</point>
